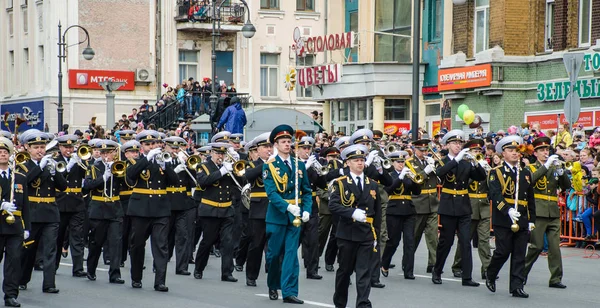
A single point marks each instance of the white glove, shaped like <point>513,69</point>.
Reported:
<point>531,226</point>
<point>162,164</point>
<point>26,234</point>
<point>514,214</point>
<point>293,209</point>
<point>404,172</point>
<point>233,153</point>
<point>182,158</point>
<point>107,174</point>
<point>483,163</point>
<point>153,153</point>
<point>274,153</point>
<point>430,160</point>
<point>429,169</point>
<point>371,157</point>
<point>72,161</point>
<point>551,161</point>
<point>226,168</point>
<point>342,171</point>
<point>461,155</point>
<point>52,170</point>
<point>359,215</point>
<point>8,206</point>
<point>180,168</point>
<point>305,216</point>
<point>310,161</point>
<point>45,160</point>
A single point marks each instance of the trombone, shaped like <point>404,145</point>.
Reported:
<point>239,165</point>
<point>239,169</point>
<point>413,175</point>
<point>191,162</point>
<point>117,169</point>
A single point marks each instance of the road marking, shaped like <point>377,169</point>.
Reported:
<point>448,279</point>
<point>85,267</point>
<point>306,302</point>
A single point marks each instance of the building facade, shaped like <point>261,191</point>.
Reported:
<point>520,46</point>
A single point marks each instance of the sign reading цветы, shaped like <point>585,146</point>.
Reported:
<point>585,88</point>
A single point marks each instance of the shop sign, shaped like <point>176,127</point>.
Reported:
<point>430,90</point>
<point>90,79</point>
<point>317,75</point>
<point>395,128</point>
<point>31,112</point>
<point>548,121</point>
<point>597,118</point>
<point>315,44</point>
<point>585,88</point>
<point>465,77</point>
<point>435,128</point>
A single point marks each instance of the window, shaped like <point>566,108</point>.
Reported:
<point>11,29</point>
<point>585,22</point>
<point>11,72</point>
<point>482,22</point>
<point>25,22</point>
<point>362,110</point>
<point>393,17</point>
<point>269,74</point>
<point>305,5</point>
<point>188,64</point>
<point>432,110</point>
<point>549,24</point>
<point>9,4</point>
<point>352,109</point>
<point>307,61</point>
<point>435,20</point>
<point>41,67</point>
<point>344,110</point>
<point>269,4</point>
<point>25,75</point>
<point>396,109</point>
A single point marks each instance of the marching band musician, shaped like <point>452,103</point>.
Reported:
<point>149,209</point>
<point>374,170</point>
<point>510,240</point>
<point>215,179</point>
<point>126,135</point>
<point>71,204</point>
<point>355,200</point>
<point>279,175</point>
<point>480,219</point>
<point>183,207</point>
<point>241,236</point>
<point>455,208</point>
<point>204,153</point>
<point>105,212</point>
<point>12,234</point>
<point>327,221</point>
<point>426,203</point>
<point>548,179</point>
<point>43,182</point>
<point>236,145</point>
<point>309,235</point>
<point>258,208</point>
<point>131,150</point>
<point>250,148</point>
<point>401,216</point>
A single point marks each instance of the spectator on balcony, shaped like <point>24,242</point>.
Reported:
<point>145,105</point>
<point>151,112</point>
<point>206,92</point>
<point>217,111</point>
<point>181,98</point>
<point>160,105</point>
<point>196,90</point>
<point>232,88</point>
<point>134,115</point>
<point>223,86</point>
<point>234,117</point>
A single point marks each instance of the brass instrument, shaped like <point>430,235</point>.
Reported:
<point>239,169</point>
<point>191,162</point>
<point>239,165</point>
<point>564,164</point>
<point>434,155</point>
<point>84,152</point>
<point>413,175</point>
<point>21,157</point>
<point>392,147</point>
<point>321,170</point>
<point>162,156</point>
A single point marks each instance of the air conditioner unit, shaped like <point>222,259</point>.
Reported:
<point>146,75</point>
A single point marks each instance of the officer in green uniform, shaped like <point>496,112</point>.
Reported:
<point>283,236</point>
<point>548,179</point>
<point>480,219</point>
<point>426,203</point>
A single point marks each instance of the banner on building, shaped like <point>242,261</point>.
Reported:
<point>395,128</point>
<point>31,112</point>
<point>465,77</point>
<point>435,128</point>
<point>318,75</point>
<point>548,121</point>
<point>90,79</point>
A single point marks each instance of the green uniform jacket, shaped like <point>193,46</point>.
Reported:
<point>479,201</point>
<point>547,181</point>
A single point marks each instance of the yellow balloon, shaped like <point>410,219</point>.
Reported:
<point>469,116</point>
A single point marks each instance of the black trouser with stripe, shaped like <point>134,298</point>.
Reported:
<point>157,228</point>
<point>71,230</point>
<point>11,245</point>
<point>105,231</point>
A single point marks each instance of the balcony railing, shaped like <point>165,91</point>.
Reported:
<point>231,13</point>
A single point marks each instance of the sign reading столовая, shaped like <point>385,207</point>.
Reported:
<point>586,88</point>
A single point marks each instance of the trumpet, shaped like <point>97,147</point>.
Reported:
<point>564,164</point>
<point>191,162</point>
<point>56,166</point>
<point>84,152</point>
<point>162,157</point>
<point>413,175</point>
<point>392,147</point>
<point>322,170</point>
<point>239,165</point>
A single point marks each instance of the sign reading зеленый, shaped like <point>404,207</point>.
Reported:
<point>586,88</point>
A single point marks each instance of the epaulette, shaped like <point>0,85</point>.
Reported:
<point>17,172</point>
<point>496,167</point>
<point>22,166</point>
<point>132,161</point>
<point>251,164</point>
<point>341,178</point>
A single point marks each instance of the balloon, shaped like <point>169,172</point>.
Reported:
<point>476,123</point>
<point>469,116</point>
<point>461,110</point>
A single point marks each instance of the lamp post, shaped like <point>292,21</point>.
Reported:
<point>88,54</point>
<point>415,69</point>
<point>248,30</point>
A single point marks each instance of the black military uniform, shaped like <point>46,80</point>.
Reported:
<point>125,193</point>
<point>149,210</point>
<point>328,221</point>
<point>309,234</point>
<point>256,220</point>
<point>455,210</point>
<point>401,218</point>
<point>356,240</point>
<point>11,234</point>
<point>45,216</point>
<point>241,234</point>
<point>183,211</point>
<point>72,209</point>
<point>106,216</point>
<point>216,215</point>
<point>502,190</point>
<point>205,150</point>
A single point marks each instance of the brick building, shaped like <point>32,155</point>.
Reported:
<point>524,42</point>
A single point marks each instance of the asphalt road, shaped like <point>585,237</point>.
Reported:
<point>581,275</point>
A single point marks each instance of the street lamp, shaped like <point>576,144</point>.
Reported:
<point>88,54</point>
<point>248,30</point>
